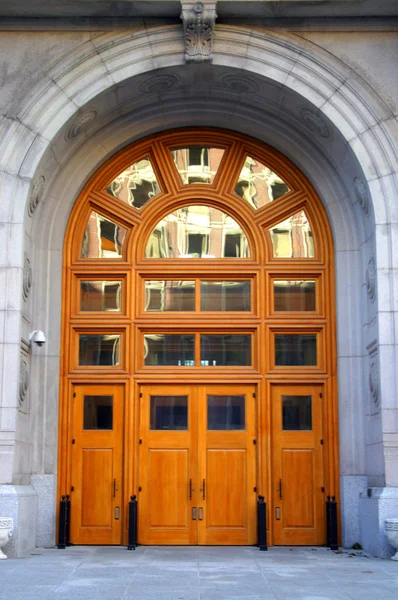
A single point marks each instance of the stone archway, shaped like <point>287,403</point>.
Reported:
<point>82,110</point>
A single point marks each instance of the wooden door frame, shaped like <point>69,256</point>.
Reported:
<point>262,267</point>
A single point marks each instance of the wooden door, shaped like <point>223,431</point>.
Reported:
<point>168,465</point>
<point>297,449</point>
<point>197,465</point>
<point>227,474</point>
<point>97,465</point>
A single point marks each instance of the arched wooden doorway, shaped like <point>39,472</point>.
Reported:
<point>198,366</point>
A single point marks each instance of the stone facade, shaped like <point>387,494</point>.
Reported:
<point>324,95</point>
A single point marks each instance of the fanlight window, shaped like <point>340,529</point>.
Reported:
<point>197,232</point>
<point>259,185</point>
<point>292,238</point>
<point>197,164</point>
<point>136,185</point>
<point>102,238</point>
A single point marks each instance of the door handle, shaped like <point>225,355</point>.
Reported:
<point>194,513</point>
<point>203,489</point>
<point>191,489</point>
<point>279,489</point>
<point>200,513</point>
<point>115,489</point>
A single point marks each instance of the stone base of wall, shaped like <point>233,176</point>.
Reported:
<point>20,503</point>
<point>376,505</point>
<point>45,487</point>
<point>351,488</point>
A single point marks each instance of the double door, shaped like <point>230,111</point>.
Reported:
<point>197,465</point>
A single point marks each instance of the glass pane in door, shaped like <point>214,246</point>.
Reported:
<point>98,412</point>
<point>169,412</point>
<point>296,413</point>
<point>225,412</point>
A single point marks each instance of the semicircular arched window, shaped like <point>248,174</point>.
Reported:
<point>197,232</point>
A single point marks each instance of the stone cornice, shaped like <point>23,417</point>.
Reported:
<point>89,15</point>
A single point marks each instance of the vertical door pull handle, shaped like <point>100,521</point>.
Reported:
<point>114,489</point>
<point>203,489</point>
<point>279,489</point>
<point>191,489</point>
<point>194,513</point>
<point>200,513</point>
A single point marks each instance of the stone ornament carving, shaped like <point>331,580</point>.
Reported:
<point>374,382</point>
<point>158,83</point>
<point>198,21</point>
<point>239,83</point>
<point>81,123</point>
<point>27,278</point>
<point>391,529</point>
<point>315,123</point>
<point>36,194</point>
<point>6,527</point>
<point>23,380</point>
<point>371,279</point>
<point>362,196</point>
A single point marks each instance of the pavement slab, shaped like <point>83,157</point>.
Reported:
<point>197,573</point>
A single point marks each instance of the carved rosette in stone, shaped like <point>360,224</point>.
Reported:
<point>371,279</point>
<point>374,382</point>
<point>198,21</point>
<point>315,123</point>
<point>361,193</point>
<point>81,123</point>
<point>36,194</point>
<point>23,380</point>
<point>27,278</point>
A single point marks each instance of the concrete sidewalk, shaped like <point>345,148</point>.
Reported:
<point>197,573</point>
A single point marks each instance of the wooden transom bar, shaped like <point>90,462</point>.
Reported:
<point>198,364</point>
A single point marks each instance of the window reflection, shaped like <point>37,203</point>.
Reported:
<point>225,350</point>
<point>169,350</point>
<point>197,232</point>
<point>292,238</point>
<point>295,350</point>
<point>294,295</point>
<point>100,295</point>
<point>258,184</point>
<point>197,164</point>
<point>102,238</point>
<point>99,350</point>
<point>169,296</point>
<point>136,185</point>
<point>225,295</point>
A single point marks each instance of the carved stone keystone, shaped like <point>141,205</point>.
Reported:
<point>198,21</point>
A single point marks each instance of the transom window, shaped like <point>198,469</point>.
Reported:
<point>206,251</point>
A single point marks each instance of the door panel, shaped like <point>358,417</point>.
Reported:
<point>168,458</point>
<point>168,473</point>
<point>227,474</point>
<point>97,423</point>
<point>298,465</point>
